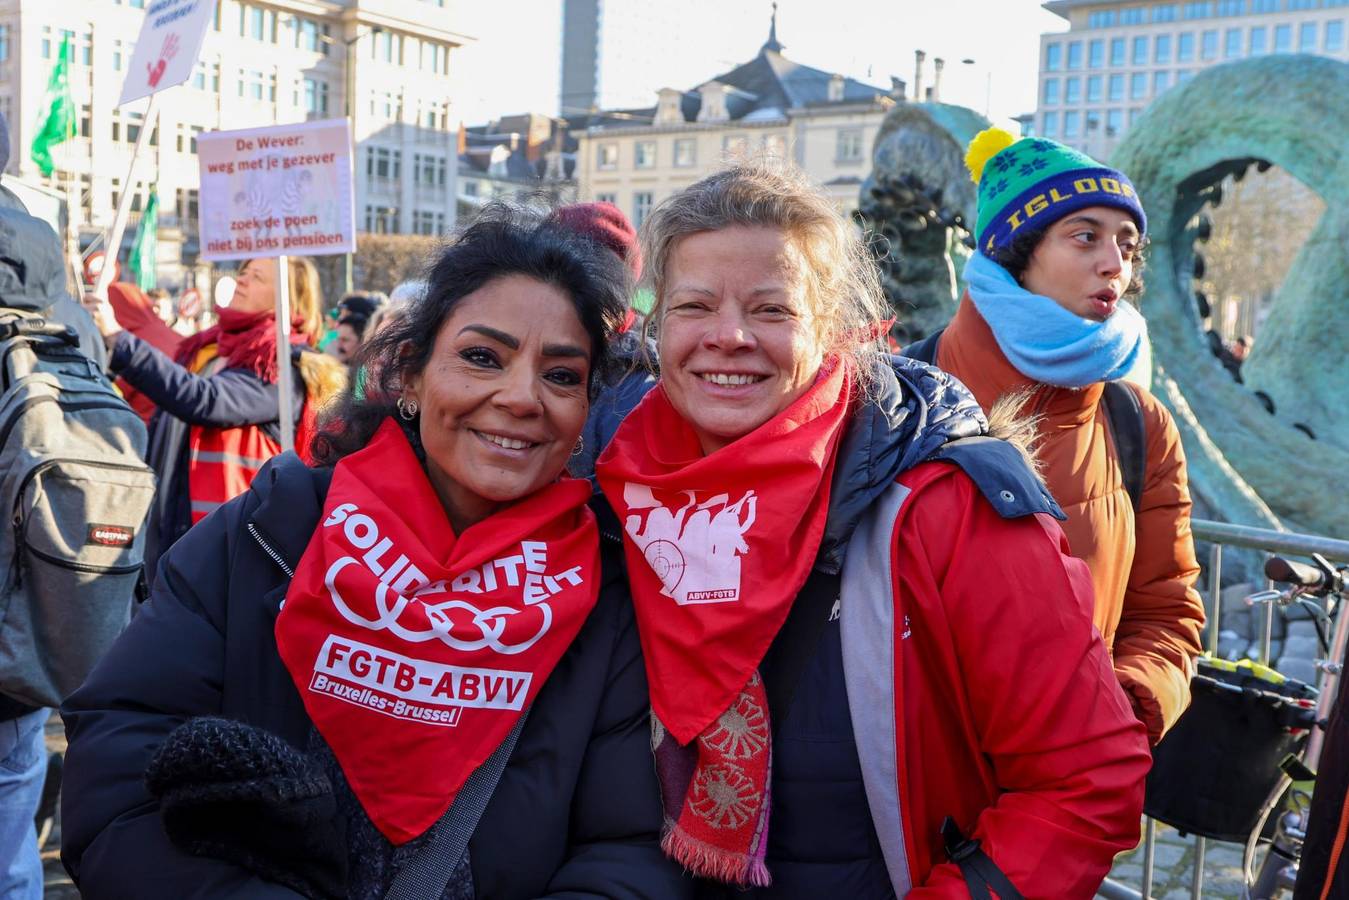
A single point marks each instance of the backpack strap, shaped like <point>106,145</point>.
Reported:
<point>924,350</point>
<point>980,871</point>
<point>428,871</point>
<point>1125,416</point>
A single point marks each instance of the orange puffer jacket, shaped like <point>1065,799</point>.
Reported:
<point>1143,565</point>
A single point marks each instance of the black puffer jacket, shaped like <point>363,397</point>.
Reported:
<point>576,812</point>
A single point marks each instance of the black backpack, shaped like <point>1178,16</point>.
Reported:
<point>1123,413</point>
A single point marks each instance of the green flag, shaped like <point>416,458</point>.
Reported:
<point>143,249</point>
<point>58,123</point>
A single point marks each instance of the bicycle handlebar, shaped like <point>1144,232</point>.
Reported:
<point>1285,570</point>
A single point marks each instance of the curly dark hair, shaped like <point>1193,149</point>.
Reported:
<point>1015,257</point>
<point>503,240</point>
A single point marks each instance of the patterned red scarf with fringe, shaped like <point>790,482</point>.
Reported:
<point>245,340</point>
<point>718,547</point>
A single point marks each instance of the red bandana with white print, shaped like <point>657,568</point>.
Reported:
<point>718,547</point>
<point>415,651</point>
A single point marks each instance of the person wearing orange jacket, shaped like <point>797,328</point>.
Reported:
<point>1045,319</point>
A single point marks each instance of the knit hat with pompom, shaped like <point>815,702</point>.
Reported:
<point>1034,182</point>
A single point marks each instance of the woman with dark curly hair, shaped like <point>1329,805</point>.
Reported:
<point>334,667</point>
<point>1047,318</point>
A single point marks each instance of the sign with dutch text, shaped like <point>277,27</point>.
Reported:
<point>285,190</point>
<point>167,49</point>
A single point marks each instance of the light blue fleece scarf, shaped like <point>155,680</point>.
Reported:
<point>1046,342</point>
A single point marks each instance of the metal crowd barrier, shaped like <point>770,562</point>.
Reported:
<point>1221,534</point>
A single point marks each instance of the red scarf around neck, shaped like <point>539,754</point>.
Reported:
<point>718,547</point>
<point>245,341</point>
<point>414,651</point>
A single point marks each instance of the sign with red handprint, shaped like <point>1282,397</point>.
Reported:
<point>169,44</point>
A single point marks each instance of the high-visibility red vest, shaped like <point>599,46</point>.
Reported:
<point>221,463</point>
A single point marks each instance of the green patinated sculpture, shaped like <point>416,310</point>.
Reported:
<point>915,205</point>
<point>1252,466</point>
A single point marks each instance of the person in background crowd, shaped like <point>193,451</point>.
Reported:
<point>32,279</point>
<point>135,312</point>
<point>605,224</point>
<point>1046,318</point>
<point>219,409</point>
<point>352,330</point>
<point>400,297</point>
<point>814,729</point>
<point>1241,348</point>
<point>453,463</point>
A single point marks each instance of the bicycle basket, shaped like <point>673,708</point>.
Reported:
<point>1218,765</point>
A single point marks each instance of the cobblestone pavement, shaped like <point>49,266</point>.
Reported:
<point>1172,868</point>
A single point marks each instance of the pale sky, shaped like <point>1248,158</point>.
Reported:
<point>514,65</point>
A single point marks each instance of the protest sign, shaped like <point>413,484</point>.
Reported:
<point>284,190</point>
<point>167,49</point>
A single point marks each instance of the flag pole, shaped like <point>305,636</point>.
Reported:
<point>112,245</point>
<point>285,377</point>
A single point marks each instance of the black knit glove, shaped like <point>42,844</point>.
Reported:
<point>234,792</point>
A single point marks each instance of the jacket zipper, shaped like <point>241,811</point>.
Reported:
<point>266,548</point>
<point>81,567</point>
<point>55,461</point>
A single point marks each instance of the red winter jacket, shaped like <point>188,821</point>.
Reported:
<point>1012,721</point>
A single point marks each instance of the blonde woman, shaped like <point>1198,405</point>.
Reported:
<point>219,405</point>
<point>859,617</point>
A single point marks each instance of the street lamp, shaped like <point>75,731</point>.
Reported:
<point>988,86</point>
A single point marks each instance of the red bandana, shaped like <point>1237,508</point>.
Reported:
<point>718,547</point>
<point>416,652</point>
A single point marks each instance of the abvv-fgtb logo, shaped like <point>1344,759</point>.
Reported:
<point>694,547</point>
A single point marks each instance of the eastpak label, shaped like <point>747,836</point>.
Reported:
<point>111,535</point>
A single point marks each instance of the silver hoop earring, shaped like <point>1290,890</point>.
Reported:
<point>580,446</point>
<point>407,410</point>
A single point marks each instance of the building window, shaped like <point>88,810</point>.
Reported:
<point>1166,12</point>
<point>1075,55</point>
<point>1259,40</point>
<point>1335,36</point>
<point>381,220</point>
<point>310,35</point>
<point>641,207</point>
<point>608,156</point>
<point>4,43</point>
<point>1115,93</point>
<point>1050,124</point>
<point>1053,57</point>
<point>315,97</point>
<point>1101,18</point>
<point>1200,10</point>
<point>1160,82</point>
<point>685,153</point>
<point>1283,38</point>
<point>1133,15</point>
<point>1306,37</point>
<point>428,170</point>
<point>383,164</point>
<point>435,58</point>
<point>1296,5</point>
<point>1095,54</point>
<point>1161,51</point>
<point>1264,6</point>
<point>1072,90</point>
<point>1232,43</point>
<point>775,146</point>
<point>849,147</point>
<point>1185,47</point>
<point>1138,85</point>
<point>607,198</point>
<point>1208,45</point>
<point>1117,46</point>
<point>1231,7</point>
<point>1072,124</point>
<point>644,155</point>
<point>1051,93</point>
<point>1140,51</point>
<point>1114,123</point>
<point>427,222</point>
<point>1183,76</point>
<point>1094,89</point>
